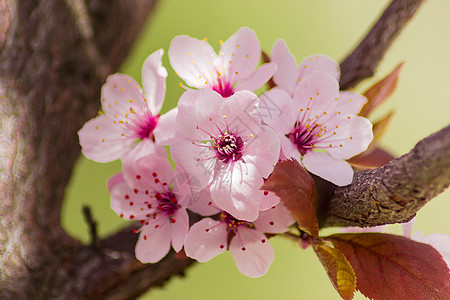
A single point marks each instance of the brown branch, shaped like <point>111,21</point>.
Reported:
<point>362,61</point>
<point>396,191</point>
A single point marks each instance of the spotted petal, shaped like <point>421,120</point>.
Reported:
<point>193,60</point>
<point>103,140</point>
<point>154,81</point>
<point>206,239</point>
<point>154,241</point>
<point>243,51</point>
<point>252,252</point>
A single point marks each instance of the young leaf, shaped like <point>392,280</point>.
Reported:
<point>370,160</point>
<point>338,269</point>
<point>297,191</point>
<point>381,90</point>
<point>394,267</point>
<point>381,125</point>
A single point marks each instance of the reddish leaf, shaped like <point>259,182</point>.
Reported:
<point>338,269</point>
<point>394,267</point>
<point>381,90</point>
<point>379,127</point>
<point>297,191</point>
<point>370,160</point>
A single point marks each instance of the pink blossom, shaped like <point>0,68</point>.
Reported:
<point>316,123</point>
<point>223,144</point>
<point>150,191</point>
<point>128,115</point>
<point>247,244</point>
<point>232,70</point>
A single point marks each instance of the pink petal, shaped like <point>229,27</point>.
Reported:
<point>278,110</point>
<point>408,227</point>
<point>197,113</point>
<point>252,252</point>
<point>263,150</point>
<point>289,150</point>
<point>258,78</point>
<point>287,71</point>
<point>203,204</point>
<point>348,136</point>
<point>165,130</point>
<point>200,161</point>
<point>192,59</point>
<point>269,200</point>
<point>154,241</point>
<point>180,227</point>
<point>121,93</point>
<point>130,205</point>
<point>240,114</point>
<point>206,239</point>
<point>275,220</point>
<point>142,149</point>
<point>319,62</point>
<point>315,94</point>
<point>148,173</point>
<point>243,51</point>
<point>233,190</point>
<point>102,140</point>
<point>329,168</point>
<point>350,103</point>
<point>154,81</point>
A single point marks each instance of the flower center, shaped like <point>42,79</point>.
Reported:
<point>233,223</point>
<point>303,137</point>
<point>167,202</point>
<point>225,89</point>
<point>145,125</point>
<point>222,86</point>
<point>228,147</point>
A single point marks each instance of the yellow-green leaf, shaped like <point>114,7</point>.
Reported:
<point>338,269</point>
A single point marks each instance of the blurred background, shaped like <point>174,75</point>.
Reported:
<point>333,27</point>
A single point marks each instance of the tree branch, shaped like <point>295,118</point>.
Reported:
<point>362,61</point>
<point>396,191</point>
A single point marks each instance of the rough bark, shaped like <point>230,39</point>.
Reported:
<point>363,60</point>
<point>54,57</point>
<point>396,191</point>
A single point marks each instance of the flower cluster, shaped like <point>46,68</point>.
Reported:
<point>225,141</point>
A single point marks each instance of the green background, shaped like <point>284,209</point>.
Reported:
<point>421,103</point>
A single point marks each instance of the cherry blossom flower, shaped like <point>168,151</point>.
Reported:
<point>247,244</point>
<point>149,190</point>
<point>225,146</point>
<point>317,125</point>
<point>232,70</point>
<point>128,115</point>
